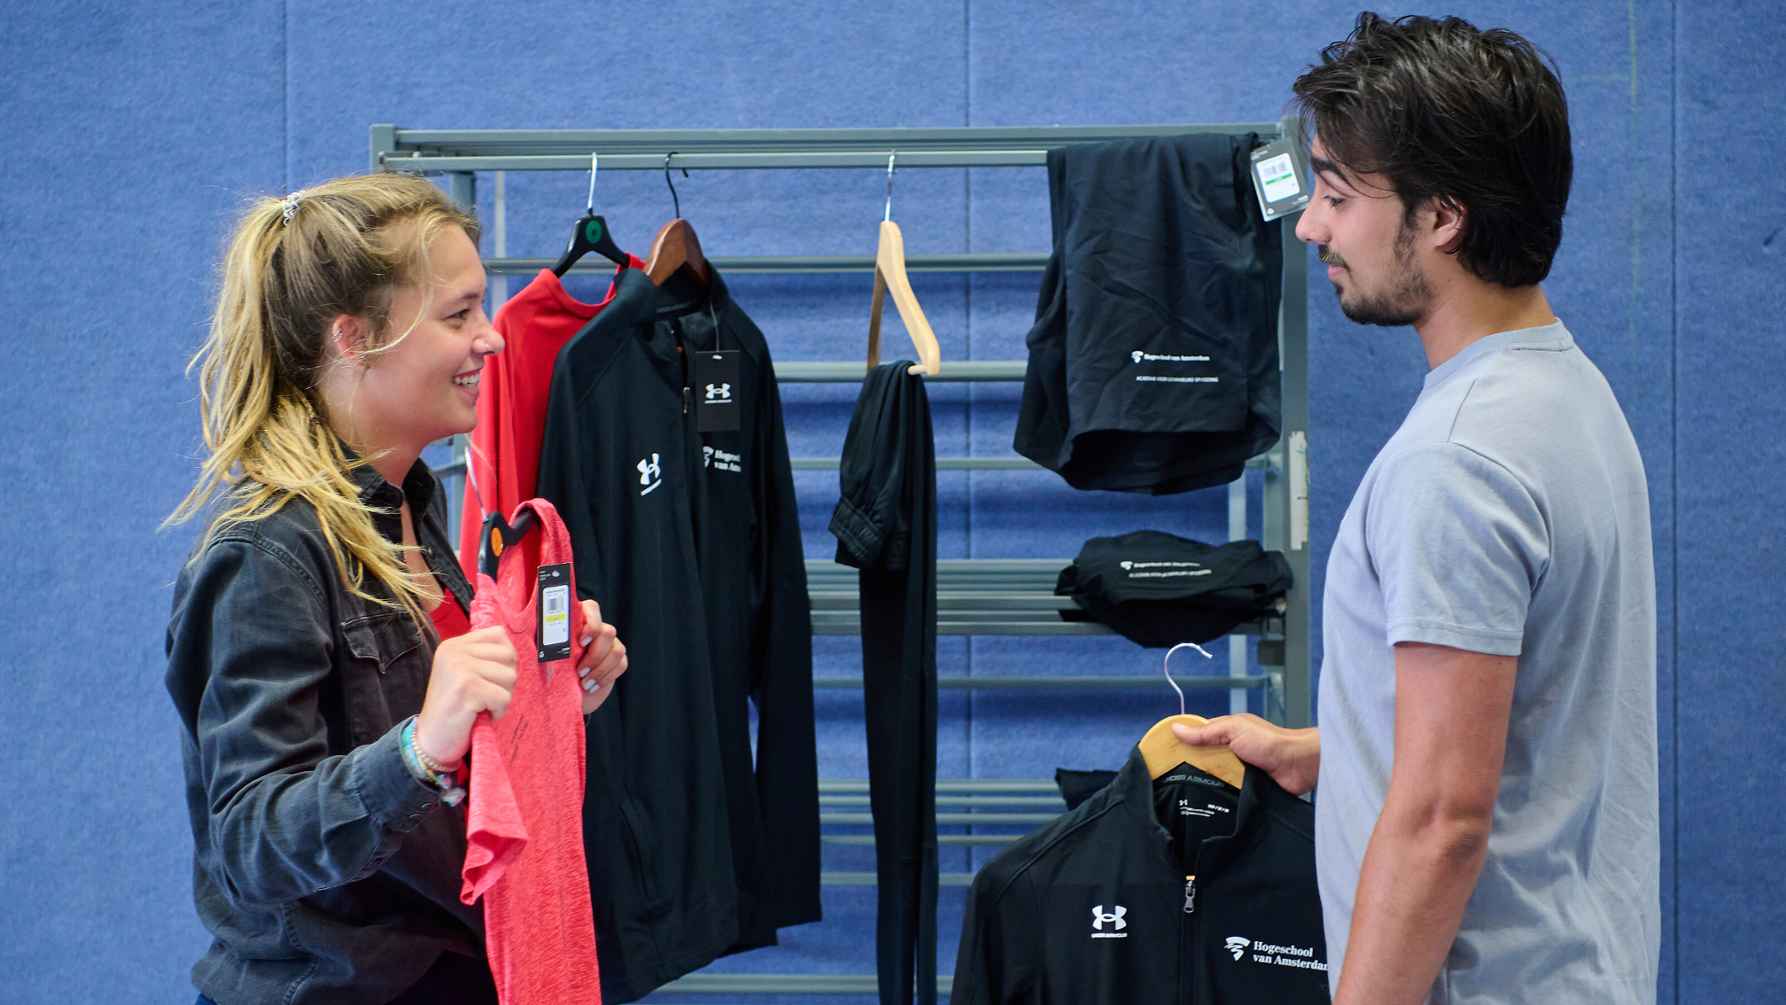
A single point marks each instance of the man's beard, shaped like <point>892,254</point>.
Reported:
<point>1405,303</point>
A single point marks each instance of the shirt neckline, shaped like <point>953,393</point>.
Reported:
<point>1553,337</point>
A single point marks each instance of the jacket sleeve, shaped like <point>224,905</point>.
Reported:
<point>987,963</point>
<point>249,655</point>
<point>564,482</point>
<point>787,758</point>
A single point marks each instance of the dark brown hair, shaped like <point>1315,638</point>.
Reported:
<point>1449,112</point>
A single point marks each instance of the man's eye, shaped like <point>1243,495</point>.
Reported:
<point>1333,201</point>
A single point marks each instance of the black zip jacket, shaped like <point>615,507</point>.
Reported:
<point>1100,907</point>
<point>691,544</point>
<point>323,870</point>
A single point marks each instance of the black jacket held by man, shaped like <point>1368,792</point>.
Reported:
<point>1165,892</point>
<point>322,869</point>
<point>690,541</point>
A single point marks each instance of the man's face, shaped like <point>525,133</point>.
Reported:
<point>1364,237</point>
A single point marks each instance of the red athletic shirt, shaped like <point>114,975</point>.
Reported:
<point>502,466</point>
<point>449,618</point>
<point>524,808</point>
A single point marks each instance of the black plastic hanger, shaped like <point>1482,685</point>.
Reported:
<point>498,536</point>
<point>591,233</point>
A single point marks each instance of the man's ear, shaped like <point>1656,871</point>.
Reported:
<point>1451,221</point>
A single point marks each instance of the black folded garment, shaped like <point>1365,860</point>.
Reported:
<point>1159,589</point>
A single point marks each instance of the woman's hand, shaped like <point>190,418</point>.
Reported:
<point>473,673</point>
<point>604,658</point>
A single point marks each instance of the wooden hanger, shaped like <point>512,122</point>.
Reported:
<point>676,246</point>
<point>890,275</point>
<point>1162,750</point>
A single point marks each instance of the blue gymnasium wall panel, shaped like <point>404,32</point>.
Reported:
<point>128,146</point>
<point>292,88</point>
<point>1729,272</point>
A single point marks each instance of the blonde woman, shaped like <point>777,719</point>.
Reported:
<point>318,650</point>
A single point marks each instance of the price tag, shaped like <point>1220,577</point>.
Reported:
<point>1278,174</point>
<point>553,633</point>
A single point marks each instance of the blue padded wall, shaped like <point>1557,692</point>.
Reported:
<point>135,131</point>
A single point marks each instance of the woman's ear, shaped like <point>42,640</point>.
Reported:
<point>347,339</point>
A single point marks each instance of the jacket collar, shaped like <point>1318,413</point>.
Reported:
<point>418,489</point>
<point>1134,789</point>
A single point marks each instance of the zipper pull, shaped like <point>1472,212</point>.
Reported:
<point>1190,895</point>
<point>687,395</point>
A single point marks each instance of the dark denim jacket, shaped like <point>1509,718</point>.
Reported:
<point>324,871</point>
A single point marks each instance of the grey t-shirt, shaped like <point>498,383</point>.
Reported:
<point>1509,515</point>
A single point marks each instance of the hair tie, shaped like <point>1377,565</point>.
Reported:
<point>291,208</point>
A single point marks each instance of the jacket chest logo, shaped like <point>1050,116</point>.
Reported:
<point>722,460</point>
<point>651,474</point>
<point>1110,925</point>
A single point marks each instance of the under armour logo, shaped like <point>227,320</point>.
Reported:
<point>719,392</point>
<point>1136,355</point>
<point>1114,919</point>
<point>706,457</point>
<point>1237,946</point>
<point>1127,565</point>
<point>651,474</point>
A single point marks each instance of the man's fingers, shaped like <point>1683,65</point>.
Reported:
<point>1208,735</point>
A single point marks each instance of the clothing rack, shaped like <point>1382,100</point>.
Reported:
<point>975,596</point>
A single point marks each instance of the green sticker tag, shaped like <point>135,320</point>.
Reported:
<point>592,231</point>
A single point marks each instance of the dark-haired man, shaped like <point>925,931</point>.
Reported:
<point>1487,815</point>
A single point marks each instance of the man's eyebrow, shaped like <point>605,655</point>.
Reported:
<point>1324,166</point>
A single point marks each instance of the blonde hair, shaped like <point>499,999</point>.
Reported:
<point>293,266</point>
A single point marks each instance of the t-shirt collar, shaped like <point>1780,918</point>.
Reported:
<point>1553,337</point>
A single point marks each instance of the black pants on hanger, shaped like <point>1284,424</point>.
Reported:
<point>885,525</point>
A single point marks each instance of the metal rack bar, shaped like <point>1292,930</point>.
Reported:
<point>988,799</point>
<point>951,785</point>
<point>988,261</point>
<point>429,150</point>
<point>786,984</point>
<point>959,839</point>
<point>847,878</point>
<point>1248,682</point>
<point>966,371</point>
<point>947,819</point>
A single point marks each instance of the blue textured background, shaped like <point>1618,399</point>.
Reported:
<point>132,132</point>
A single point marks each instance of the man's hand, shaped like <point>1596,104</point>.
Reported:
<point>604,658</point>
<point>1292,757</point>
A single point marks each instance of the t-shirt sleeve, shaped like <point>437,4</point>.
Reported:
<point>1459,544</point>
<point>494,833</point>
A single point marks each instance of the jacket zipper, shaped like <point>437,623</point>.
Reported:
<point>1186,982</point>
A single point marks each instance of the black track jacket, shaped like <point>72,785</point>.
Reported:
<point>691,544</point>
<point>1096,907</point>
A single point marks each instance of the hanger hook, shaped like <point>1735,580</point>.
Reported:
<point>595,165</point>
<point>673,199</point>
<point>1166,668</point>
<point>888,214</point>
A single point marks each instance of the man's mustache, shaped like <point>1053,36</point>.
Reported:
<point>1327,257</point>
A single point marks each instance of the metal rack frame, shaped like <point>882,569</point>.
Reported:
<point>975,597</point>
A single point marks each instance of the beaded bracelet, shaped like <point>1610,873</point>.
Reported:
<point>427,769</point>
